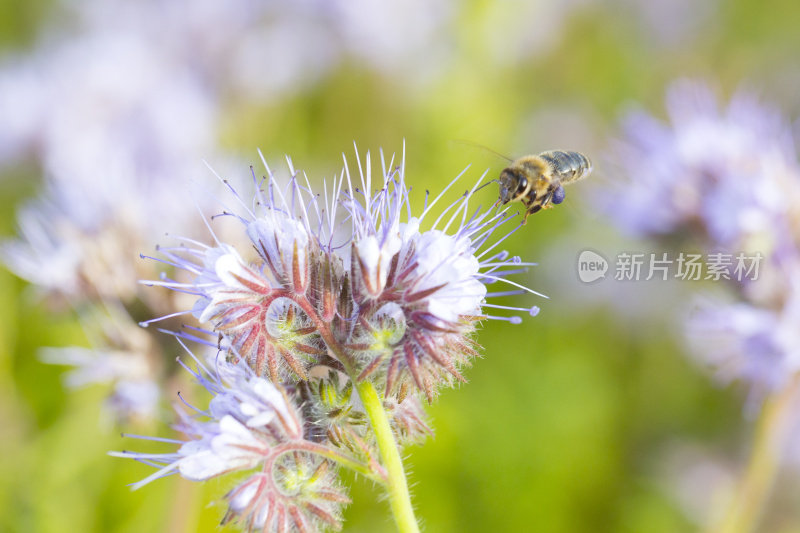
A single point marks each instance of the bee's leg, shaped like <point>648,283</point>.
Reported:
<point>546,201</point>
<point>535,208</point>
<point>526,202</point>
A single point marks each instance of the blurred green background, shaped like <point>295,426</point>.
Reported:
<point>577,420</point>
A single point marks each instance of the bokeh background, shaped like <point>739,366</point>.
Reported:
<point>588,417</point>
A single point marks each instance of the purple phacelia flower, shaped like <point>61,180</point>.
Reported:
<point>386,300</point>
<point>731,174</point>
<point>108,191</point>
<point>729,179</point>
<point>134,393</point>
<point>748,342</point>
<point>323,296</point>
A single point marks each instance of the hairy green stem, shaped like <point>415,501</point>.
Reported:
<point>396,486</point>
<point>338,457</point>
<point>754,488</point>
<point>395,482</point>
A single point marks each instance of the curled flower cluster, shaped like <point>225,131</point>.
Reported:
<point>251,424</point>
<point>730,181</point>
<point>327,296</point>
<point>391,302</point>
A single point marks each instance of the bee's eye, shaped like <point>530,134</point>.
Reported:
<point>558,195</point>
<point>523,183</point>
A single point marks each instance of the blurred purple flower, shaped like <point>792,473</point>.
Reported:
<point>135,394</point>
<point>731,174</point>
<point>728,179</point>
<point>116,125</point>
<point>745,342</point>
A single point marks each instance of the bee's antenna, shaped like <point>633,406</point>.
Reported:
<point>484,185</point>
<point>478,145</point>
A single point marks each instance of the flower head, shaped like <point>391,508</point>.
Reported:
<point>391,301</point>
<point>329,295</point>
<point>730,178</point>
<point>732,174</point>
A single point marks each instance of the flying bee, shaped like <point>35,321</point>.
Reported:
<point>538,180</point>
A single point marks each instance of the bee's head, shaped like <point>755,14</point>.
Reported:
<point>510,184</point>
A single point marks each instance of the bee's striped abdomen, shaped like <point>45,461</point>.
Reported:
<point>570,166</point>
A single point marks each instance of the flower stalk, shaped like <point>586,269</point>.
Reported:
<point>392,476</point>
<point>754,488</point>
<point>396,485</point>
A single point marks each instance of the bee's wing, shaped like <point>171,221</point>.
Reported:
<point>570,166</point>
